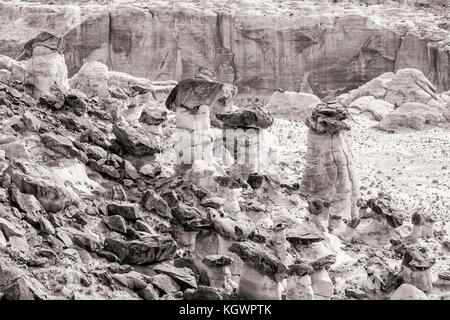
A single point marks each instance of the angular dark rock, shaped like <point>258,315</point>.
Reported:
<point>149,293</point>
<point>150,250</point>
<point>127,210</point>
<point>116,223</point>
<point>85,241</point>
<point>155,203</point>
<point>259,257</point>
<point>118,247</point>
<point>62,145</point>
<point>154,116</point>
<point>136,142</point>
<point>184,276</point>
<point>165,283</point>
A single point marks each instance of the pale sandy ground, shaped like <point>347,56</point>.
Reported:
<point>414,167</point>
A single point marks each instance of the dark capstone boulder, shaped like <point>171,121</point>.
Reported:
<point>304,234</point>
<point>217,260</point>
<point>192,93</point>
<point>255,180</point>
<point>418,258</point>
<point>259,257</point>
<point>300,269</point>
<point>45,39</point>
<point>385,207</point>
<point>246,118</point>
<point>323,262</point>
<point>328,119</point>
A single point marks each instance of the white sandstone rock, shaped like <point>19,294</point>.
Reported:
<point>292,105</point>
<point>408,292</point>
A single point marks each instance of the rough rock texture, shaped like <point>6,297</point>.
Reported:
<point>406,99</point>
<point>91,209</point>
<point>245,118</point>
<point>329,173</point>
<point>289,45</point>
<point>46,70</point>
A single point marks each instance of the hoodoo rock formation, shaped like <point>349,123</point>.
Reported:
<point>125,174</point>
<point>329,171</point>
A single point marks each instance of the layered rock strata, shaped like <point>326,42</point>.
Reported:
<point>329,171</point>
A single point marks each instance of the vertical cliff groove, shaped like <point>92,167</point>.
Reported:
<point>257,52</point>
<point>110,35</point>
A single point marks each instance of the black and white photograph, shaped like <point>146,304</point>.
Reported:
<point>241,151</point>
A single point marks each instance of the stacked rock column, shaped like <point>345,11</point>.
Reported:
<point>329,172</point>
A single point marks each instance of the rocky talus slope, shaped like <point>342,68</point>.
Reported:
<point>320,47</point>
<point>118,187</point>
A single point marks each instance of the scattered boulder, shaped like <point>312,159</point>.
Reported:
<point>116,223</point>
<point>126,210</point>
<point>292,105</point>
<point>135,141</point>
<point>165,283</point>
<point>184,276</point>
<point>155,203</point>
<point>408,292</point>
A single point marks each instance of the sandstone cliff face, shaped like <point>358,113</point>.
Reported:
<point>288,45</point>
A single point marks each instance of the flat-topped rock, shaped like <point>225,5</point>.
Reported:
<point>183,276</point>
<point>328,119</point>
<point>192,93</point>
<point>259,257</point>
<point>418,258</point>
<point>384,206</point>
<point>135,141</point>
<point>304,234</point>
<point>217,260</point>
<point>246,118</point>
<point>126,210</point>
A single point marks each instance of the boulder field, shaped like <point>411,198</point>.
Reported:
<point>160,184</point>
